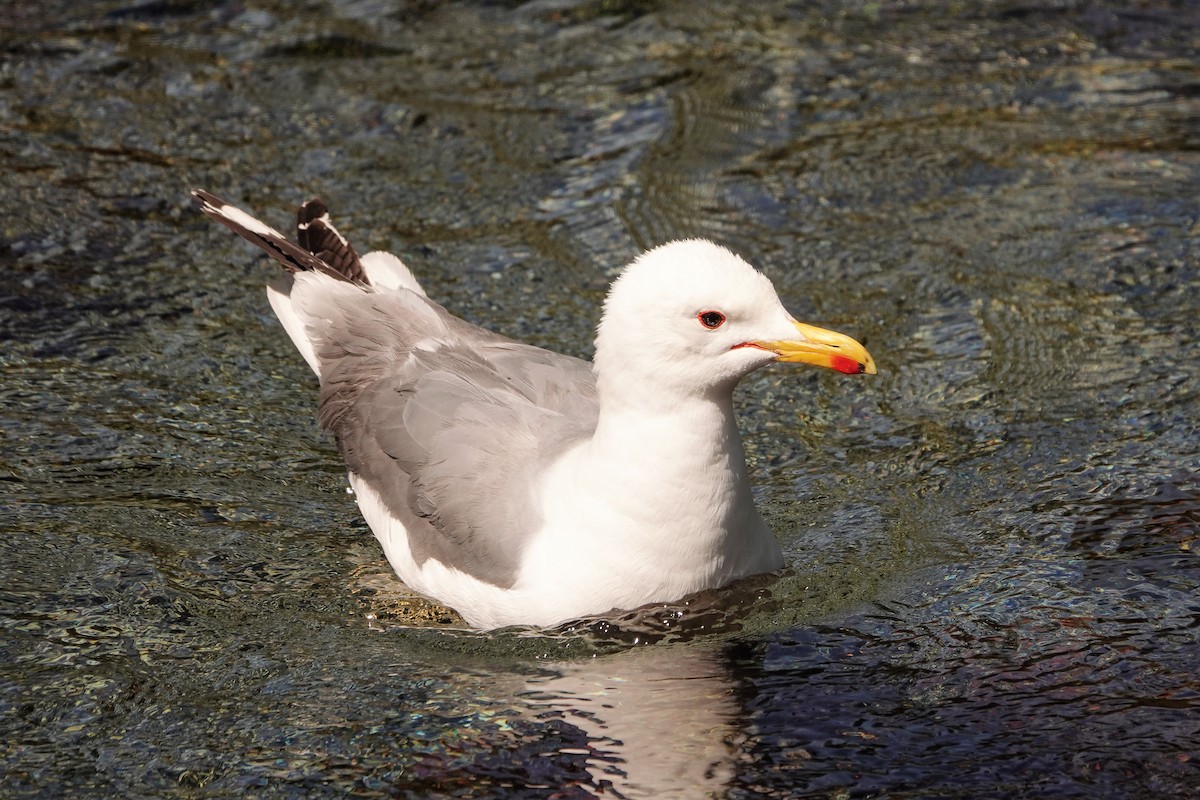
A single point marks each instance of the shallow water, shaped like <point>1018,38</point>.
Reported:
<point>993,590</point>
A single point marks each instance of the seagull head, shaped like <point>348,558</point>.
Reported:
<point>693,314</point>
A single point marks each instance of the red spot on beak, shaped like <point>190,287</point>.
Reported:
<point>846,365</point>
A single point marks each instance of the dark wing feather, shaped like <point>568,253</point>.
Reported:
<point>295,258</point>
<point>317,235</point>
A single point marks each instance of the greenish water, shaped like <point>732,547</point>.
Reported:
<point>994,577</point>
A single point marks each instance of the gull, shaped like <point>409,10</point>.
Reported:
<point>520,486</point>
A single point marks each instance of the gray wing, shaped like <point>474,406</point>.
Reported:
<point>451,424</point>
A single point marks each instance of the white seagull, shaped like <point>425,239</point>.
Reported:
<point>523,487</point>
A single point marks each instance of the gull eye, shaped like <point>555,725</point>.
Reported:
<point>711,319</point>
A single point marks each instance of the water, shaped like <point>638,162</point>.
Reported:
<point>993,582</point>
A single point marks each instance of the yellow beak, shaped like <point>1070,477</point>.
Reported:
<point>823,348</point>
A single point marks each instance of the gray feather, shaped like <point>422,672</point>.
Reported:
<point>448,422</point>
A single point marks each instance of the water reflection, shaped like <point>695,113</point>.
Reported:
<point>661,721</point>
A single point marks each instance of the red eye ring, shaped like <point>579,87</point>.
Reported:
<point>711,319</point>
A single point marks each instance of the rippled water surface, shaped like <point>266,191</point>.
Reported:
<point>994,576</point>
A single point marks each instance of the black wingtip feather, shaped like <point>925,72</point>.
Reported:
<point>332,256</point>
<point>318,235</point>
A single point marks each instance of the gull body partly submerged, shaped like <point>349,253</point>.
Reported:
<point>521,486</point>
